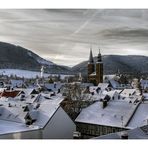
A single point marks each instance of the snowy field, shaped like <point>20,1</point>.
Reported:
<point>26,73</point>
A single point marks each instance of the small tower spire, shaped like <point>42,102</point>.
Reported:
<point>99,57</point>
<point>91,60</point>
<point>42,71</point>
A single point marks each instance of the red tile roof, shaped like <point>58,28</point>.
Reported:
<point>9,93</point>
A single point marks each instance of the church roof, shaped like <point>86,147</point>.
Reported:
<point>91,60</point>
<point>99,58</point>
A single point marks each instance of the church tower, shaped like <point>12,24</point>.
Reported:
<point>91,66</point>
<point>99,69</point>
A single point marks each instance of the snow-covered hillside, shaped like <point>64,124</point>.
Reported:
<point>41,60</point>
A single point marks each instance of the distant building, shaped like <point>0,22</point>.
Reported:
<point>9,93</point>
<point>144,84</point>
<point>95,70</point>
<point>16,83</point>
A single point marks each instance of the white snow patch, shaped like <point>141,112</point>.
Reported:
<point>21,73</point>
<point>30,54</point>
<point>28,74</point>
<point>41,60</point>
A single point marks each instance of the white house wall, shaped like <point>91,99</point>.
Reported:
<point>59,127</point>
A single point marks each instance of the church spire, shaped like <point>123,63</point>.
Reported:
<point>99,58</point>
<point>91,60</point>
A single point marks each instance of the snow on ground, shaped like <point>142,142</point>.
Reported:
<point>26,73</point>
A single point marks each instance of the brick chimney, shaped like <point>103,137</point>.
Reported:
<point>104,103</point>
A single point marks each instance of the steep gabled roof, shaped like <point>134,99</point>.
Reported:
<point>110,116</point>
<point>91,60</point>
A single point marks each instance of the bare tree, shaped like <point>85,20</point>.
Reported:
<point>75,99</point>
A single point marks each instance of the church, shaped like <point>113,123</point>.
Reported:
<point>95,69</point>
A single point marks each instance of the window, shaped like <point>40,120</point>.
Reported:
<point>114,130</point>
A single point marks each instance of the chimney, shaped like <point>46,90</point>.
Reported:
<point>58,91</point>
<point>55,85</point>
<point>124,135</point>
<point>104,103</point>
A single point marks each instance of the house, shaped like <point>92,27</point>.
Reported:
<point>42,118</point>
<point>113,94</point>
<point>104,117</point>
<point>128,92</point>
<point>116,85</point>
<point>27,91</point>
<point>16,83</point>
<point>100,88</point>
<point>144,84</point>
<point>103,86</point>
<point>53,86</point>
<point>10,93</point>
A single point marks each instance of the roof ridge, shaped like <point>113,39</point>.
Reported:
<point>132,114</point>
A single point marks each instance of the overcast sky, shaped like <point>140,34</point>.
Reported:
<point>65,36</point>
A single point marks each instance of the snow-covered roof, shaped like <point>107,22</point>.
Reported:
<point>136,133</point>
<point>109,77</point>
<point>128,92</point>
<point>103,85</point>
<point>145,96</point>
<point>13,114</point>
<point>16,83</point>
<point>144,83</point>
<point>93,88</point>
<point>112,93</point>
<point>7,127</point>
<point>41,110</point>
<point>2,89</point>
<point>86,84</point>
<point>27,91</point>
<point>53,86</point>
<point>114,83</point>
<point>140,117</point>
<point>46,110</point>
<point>110,116</point>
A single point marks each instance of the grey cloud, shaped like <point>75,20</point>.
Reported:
<point>64,35</point>
<point>122,33</point>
